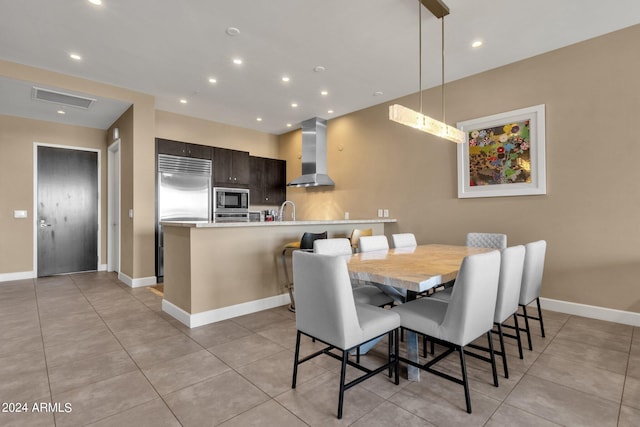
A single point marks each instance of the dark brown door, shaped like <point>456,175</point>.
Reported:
<point>67,211</point>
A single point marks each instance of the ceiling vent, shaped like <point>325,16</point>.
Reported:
<point>61,98</point>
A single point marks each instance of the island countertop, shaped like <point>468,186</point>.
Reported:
<point>204,224</point>
<point>217,271</point>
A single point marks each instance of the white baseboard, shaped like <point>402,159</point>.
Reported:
<point>219,314</point>
<point>137,283</point>
<point>102,267</point>
<point>19,275</point>
<point>591,311</point>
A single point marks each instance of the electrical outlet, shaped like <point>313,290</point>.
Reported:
<point>379,213</point>
<point>386,213</point>
<point>346,215</point>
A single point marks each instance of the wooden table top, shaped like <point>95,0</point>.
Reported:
<point>415,269</point>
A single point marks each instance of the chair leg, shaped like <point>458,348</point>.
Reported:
<point>503,351</point>
<point>518,338</point>
<point>343,372</point>
<point>492,355</point>
<point>295,361</point>
<point>396,344</point>
<point>526,325</point>
<point>465,380</point>
<point>540,316</point>
<point>389,353</point>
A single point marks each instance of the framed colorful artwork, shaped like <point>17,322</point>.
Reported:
<point>503,155</point>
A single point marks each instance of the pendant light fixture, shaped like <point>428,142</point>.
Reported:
<point>417,120</point>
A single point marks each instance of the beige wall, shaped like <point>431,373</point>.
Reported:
<point>17,137</point>
<point>140,243</point>
<point>197,131</point>
<point>589,215</point>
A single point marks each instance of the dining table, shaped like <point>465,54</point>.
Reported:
<point>417,269</point>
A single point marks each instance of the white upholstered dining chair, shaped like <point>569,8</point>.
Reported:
<point>511,266</point>
<point>327,312</point>
<point>532,283</point>
<point>468,315</point>
<point>363,294</point>
<point>486,240</point>
<point>404,240</point>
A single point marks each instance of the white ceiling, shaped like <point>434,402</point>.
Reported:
<point>169,49</point>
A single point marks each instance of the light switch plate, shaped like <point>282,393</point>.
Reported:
<point>379,213</point>
<point>130,213</point>
<point>386,213</point>
<point>19,214</point>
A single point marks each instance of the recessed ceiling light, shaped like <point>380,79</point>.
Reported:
<point>324,93</point>
<point>259,119</point>
<point>233,31</point>
<point>330,111</point>
<point>96,2</point>
<point>212,80</point>
<point>183,101</point>
<point>318,68</point>
<point>288,125</point>
<point>285,78</point>
<point>377,93</point>
<point>61,112</point>
<point>75,56</point>
<point>237,61</point>
<point>294,104</point>
<point>476,43</point>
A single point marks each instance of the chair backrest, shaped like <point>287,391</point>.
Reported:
<point>486,240</point>
<point>325,308</point>
<point>532,272</point>
<point>511,264</point>
<point>356,234</point>
<point>472,306</point>
<point>306,242</point>
<point>340,246</point>
<point>404,240</point>
<point>373,243</point>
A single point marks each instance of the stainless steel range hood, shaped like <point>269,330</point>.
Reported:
<point>314,155</point>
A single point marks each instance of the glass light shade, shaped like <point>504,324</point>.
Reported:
<point>408,117</point>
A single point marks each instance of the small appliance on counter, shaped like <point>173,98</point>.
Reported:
<point>270,215</point>
<point>230,204</point>
<point>256,216</point>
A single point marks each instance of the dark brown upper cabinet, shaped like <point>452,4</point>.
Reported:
<point>230,168</point>
<point>183,149</point>
<point>268,181</point>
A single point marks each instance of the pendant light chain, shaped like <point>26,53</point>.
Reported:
<point>443,111</point>
<point>420,52</point>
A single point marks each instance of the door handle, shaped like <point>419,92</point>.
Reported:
<point>43,224</point>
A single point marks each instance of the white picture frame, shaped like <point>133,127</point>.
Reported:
<point>503,154</point>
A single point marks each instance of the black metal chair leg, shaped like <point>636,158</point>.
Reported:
<point>526,325</point>
<point>343,373</point>
<point>540,316</point>
<point>390,335</point>
<point>465,380</point>
<point>503,351</point>
<point>492,355</point>
<point>518,338</point>
<point>295,361</point>
<point>396,342</point>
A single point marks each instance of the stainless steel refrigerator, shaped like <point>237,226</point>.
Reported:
<point>184,194</point>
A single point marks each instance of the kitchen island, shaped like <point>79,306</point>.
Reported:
<point>217,271</point>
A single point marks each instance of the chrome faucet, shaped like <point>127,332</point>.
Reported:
<point>293,210</point>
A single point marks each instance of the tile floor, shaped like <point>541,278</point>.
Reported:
<point>113,358</point>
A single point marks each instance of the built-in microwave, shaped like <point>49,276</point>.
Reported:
<point>230,204</point>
